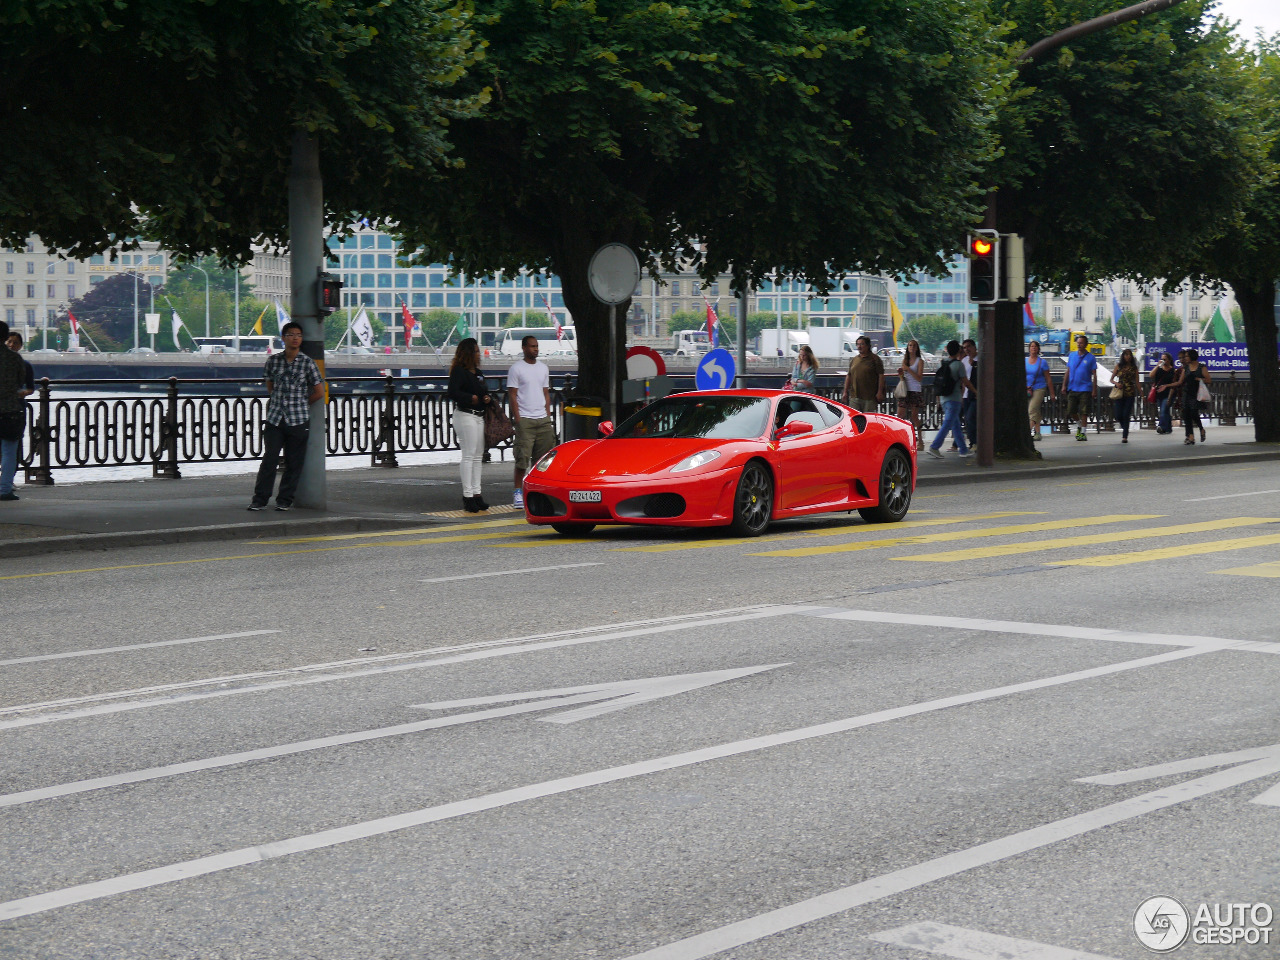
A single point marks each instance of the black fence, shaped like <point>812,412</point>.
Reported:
<point>175,422</point>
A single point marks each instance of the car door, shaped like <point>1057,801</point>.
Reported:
<point>807,463</point>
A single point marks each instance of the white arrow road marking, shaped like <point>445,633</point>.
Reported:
<point>202,866</point>
<point>136,646</point>
<point>720,372</point>
<point>877,888</point>
<point>963,944</point>
<point>630,692</point>
<point>311,675</point>
<point>510,573</point>
<point>1271,797</point>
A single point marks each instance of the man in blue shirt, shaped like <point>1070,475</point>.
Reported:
<point>1081,384</point>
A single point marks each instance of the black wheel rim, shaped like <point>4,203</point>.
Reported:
<point>755,498</point>
<point>895,484</point>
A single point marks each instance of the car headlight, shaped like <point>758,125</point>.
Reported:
<point>545,462</point>
<point>697,460</point>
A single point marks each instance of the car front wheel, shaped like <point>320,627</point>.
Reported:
<point>753,502</point>
<point>895,490</point>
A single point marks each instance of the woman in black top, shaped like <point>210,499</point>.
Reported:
<point>1124,379</point>
<point>470,394</point>
<point>1193,374</point>
<point>1162,377</point>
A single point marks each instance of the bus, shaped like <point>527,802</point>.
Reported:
<point>248,344</point>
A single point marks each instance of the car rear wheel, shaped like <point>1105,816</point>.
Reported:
<point>753,502</point>
<point>895,490</point>
<point>573,529</point>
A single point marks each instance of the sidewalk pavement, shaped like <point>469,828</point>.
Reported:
<point>126,513</point>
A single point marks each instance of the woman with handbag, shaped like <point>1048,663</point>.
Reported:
<point>1039,383</point>
<point>910,389</point>
<point>1124,391</point>
<point>1161,395</point>
<point>805,373</point>
<point>1193,386</point>
<point>470,395</point>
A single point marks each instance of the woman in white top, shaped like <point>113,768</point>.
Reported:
<point>912,372</point>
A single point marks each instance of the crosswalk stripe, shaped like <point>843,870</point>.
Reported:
<point>842,530</point>
<point>1185,551</point>
<point>437,528</point>
<point>952,535</point>
<point>1257,570</point>
<point>1012,549</point>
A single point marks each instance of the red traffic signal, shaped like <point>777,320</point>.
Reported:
<point>980,246</point>
<point>984,266</point>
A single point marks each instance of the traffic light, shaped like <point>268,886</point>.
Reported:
<point>983,251</point>
<point>328,293</point>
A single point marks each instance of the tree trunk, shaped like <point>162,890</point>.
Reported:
<point>1257,303</point>
<point>590,318</point>
<point>1012,425</point>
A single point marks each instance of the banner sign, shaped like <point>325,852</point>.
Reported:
<point>1218,357</point>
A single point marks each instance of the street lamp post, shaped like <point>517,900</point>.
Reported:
<point>207,332</point>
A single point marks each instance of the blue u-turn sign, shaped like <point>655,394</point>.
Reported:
<point>716,370</point>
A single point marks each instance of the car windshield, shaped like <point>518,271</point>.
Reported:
<point>713,417</point>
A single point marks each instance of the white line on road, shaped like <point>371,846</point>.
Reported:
<point>1229,496</point>
<point>135,646</point>
<point>964,944</point>
<point>490,650</point>
<point>505,573</point>
<point>202,866</point>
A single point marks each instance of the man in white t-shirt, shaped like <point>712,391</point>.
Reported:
<point>529,388</point>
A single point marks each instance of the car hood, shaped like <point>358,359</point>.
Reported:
<point>632,457</point>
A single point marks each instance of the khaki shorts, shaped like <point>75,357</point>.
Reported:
<point>1078,404</point>
<point>1034,404</point>
<point>864,406</point>
<point>534,438</point>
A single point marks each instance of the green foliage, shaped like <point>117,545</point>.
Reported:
<point>529,320</point>
<point>1144,322</point>
<point>175,118</point>
<point>932,330</point>
<point>335,328</point>
<point>687,320</point>
<point>761,320</point>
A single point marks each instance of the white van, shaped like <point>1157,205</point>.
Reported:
<point>548,344</point>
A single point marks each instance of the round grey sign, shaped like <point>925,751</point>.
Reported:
<point>614,273</point>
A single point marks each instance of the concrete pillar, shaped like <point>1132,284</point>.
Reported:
<point>306,250</point>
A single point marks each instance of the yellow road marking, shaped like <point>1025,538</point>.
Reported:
<point>1011,549</point>
<point>959,535</point>
<point>1184,551</point>
<point>1258,570</point>
<point>398,533</point>
<point>842,530</point>
<point>554,541</point>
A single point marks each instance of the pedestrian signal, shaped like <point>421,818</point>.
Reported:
<point>983,251</point>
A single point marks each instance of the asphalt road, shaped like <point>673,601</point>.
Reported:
<point>994,730</point>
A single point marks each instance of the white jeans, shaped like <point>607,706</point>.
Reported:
<point>470,431</point>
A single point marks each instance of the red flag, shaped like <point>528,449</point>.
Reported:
<point>409,322</point>
<point>75,324</point>
<point>713,335</point>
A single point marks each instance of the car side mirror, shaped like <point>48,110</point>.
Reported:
<point>794,428</point>
<point>605,428</point>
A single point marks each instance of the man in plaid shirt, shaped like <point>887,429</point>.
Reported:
<point>293,383</point>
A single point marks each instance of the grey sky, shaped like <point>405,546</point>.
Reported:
<point>1252,14</point>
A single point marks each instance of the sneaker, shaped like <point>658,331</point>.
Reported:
<point>281,507</point>
<point>936,453</point>
<point>8,496</point>
<point>966,453</point>
<point>517,499</point>
<point>257,506</point>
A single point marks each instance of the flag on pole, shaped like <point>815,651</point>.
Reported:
<point>713,335</point>
<point>1218,328</point>
<point>898,320</point>
<point>75,324</point>
<point>555,320</point>
<point>409,322</point>
<point>177,326</point>
<point>282,315</point>
<point>462,327</point>
<point>1116,312</point>
<point>362,328</point>
<point>1028,318</point>
<point>257,327</point>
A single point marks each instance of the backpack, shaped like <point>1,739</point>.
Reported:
<point>944,381</point>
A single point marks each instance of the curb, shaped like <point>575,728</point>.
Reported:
<point>1006,472</point>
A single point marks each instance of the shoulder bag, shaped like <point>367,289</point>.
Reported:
<point>900,391</point>
<point>497,425</point>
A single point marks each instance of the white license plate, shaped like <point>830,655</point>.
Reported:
<point>584,496</point>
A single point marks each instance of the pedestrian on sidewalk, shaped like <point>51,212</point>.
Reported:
<point>969,403</point>
<point>1039,383</point>
<point>293,384</point>
<point>1162,376</point>
<point>13,412</point>
<point>951,404</point>
<point>1081,384</point>
<point>865,379</point>
<point>1194,375</point>
<point>911,371</point>
<point>1124,390</point>
<point>529,389</point>
<point>470,395</point>
<point>804,375</point>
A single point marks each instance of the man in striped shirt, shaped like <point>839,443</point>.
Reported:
<point>293,383</point>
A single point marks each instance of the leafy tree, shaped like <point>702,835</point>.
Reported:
<point>1108,142</point>
<point>529,320</point>
<point>933,330</point>
<point>335,328</point>
<point>812,137</point>
<point>762,320</point>
<point>687,320</point>
<point>238,79</point>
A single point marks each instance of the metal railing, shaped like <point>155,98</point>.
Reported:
<point>379,417</point>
